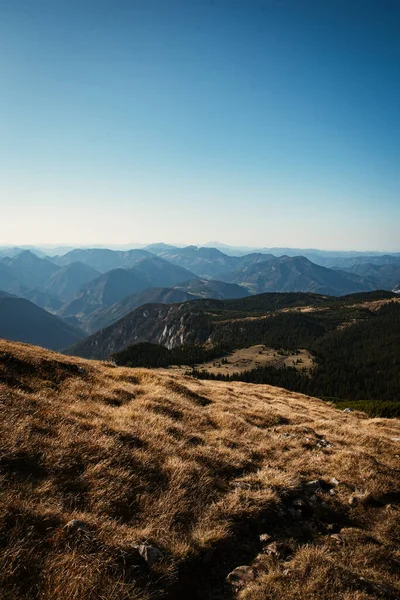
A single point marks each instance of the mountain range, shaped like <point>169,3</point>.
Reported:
<point>234,323</point>
<point>90,289</point>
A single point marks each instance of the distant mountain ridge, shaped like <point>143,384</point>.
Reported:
<point>66,281</point>
<point>102,260</point>
<point>67,285</point>
<point>295,274</point>
<point>23,321</point>
<point>104,291</point>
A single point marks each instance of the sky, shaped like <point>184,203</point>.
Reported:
<point>252,122</point>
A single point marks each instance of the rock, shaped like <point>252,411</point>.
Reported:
<point>279,550</point>
<point>323,444</point>
<point>395,439</point>
<point>265,537</point>
<point>77,525</point>
<point>150,554</point>
<point>332,492</point>
<point>348,410</point>
<point>240,576</point>
<point>315,485</point>
<point>334,481</point>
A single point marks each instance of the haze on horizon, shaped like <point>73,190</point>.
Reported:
<point>262,123</point>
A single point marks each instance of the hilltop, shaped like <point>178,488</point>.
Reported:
<point>125,483</point>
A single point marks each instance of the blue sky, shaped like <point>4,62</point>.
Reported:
<point>265,123</point>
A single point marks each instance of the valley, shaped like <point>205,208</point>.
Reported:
<point>97,303</point>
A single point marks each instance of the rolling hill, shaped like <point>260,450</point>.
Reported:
<point>125,483</point>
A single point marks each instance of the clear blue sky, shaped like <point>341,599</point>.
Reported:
<point>269,123</point>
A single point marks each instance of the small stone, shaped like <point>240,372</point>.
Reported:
<point>334,481</point>
<point>348,410</point>
<point>265,537</point>
<point>279,550</point>
<point>77,525</point>
<point>150,554</point>
<point>332,492</point>
<point>395,439</point>
<point>323,444</point>
<point>240,576</point>
<point>315,485</point>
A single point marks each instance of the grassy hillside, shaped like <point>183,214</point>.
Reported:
<point>125,483</point>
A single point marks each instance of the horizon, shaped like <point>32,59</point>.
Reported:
<point>239,121</point>
<point>217,245</point>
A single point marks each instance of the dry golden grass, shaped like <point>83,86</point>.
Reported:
<point>252,357</point>
<point>198,469</point>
